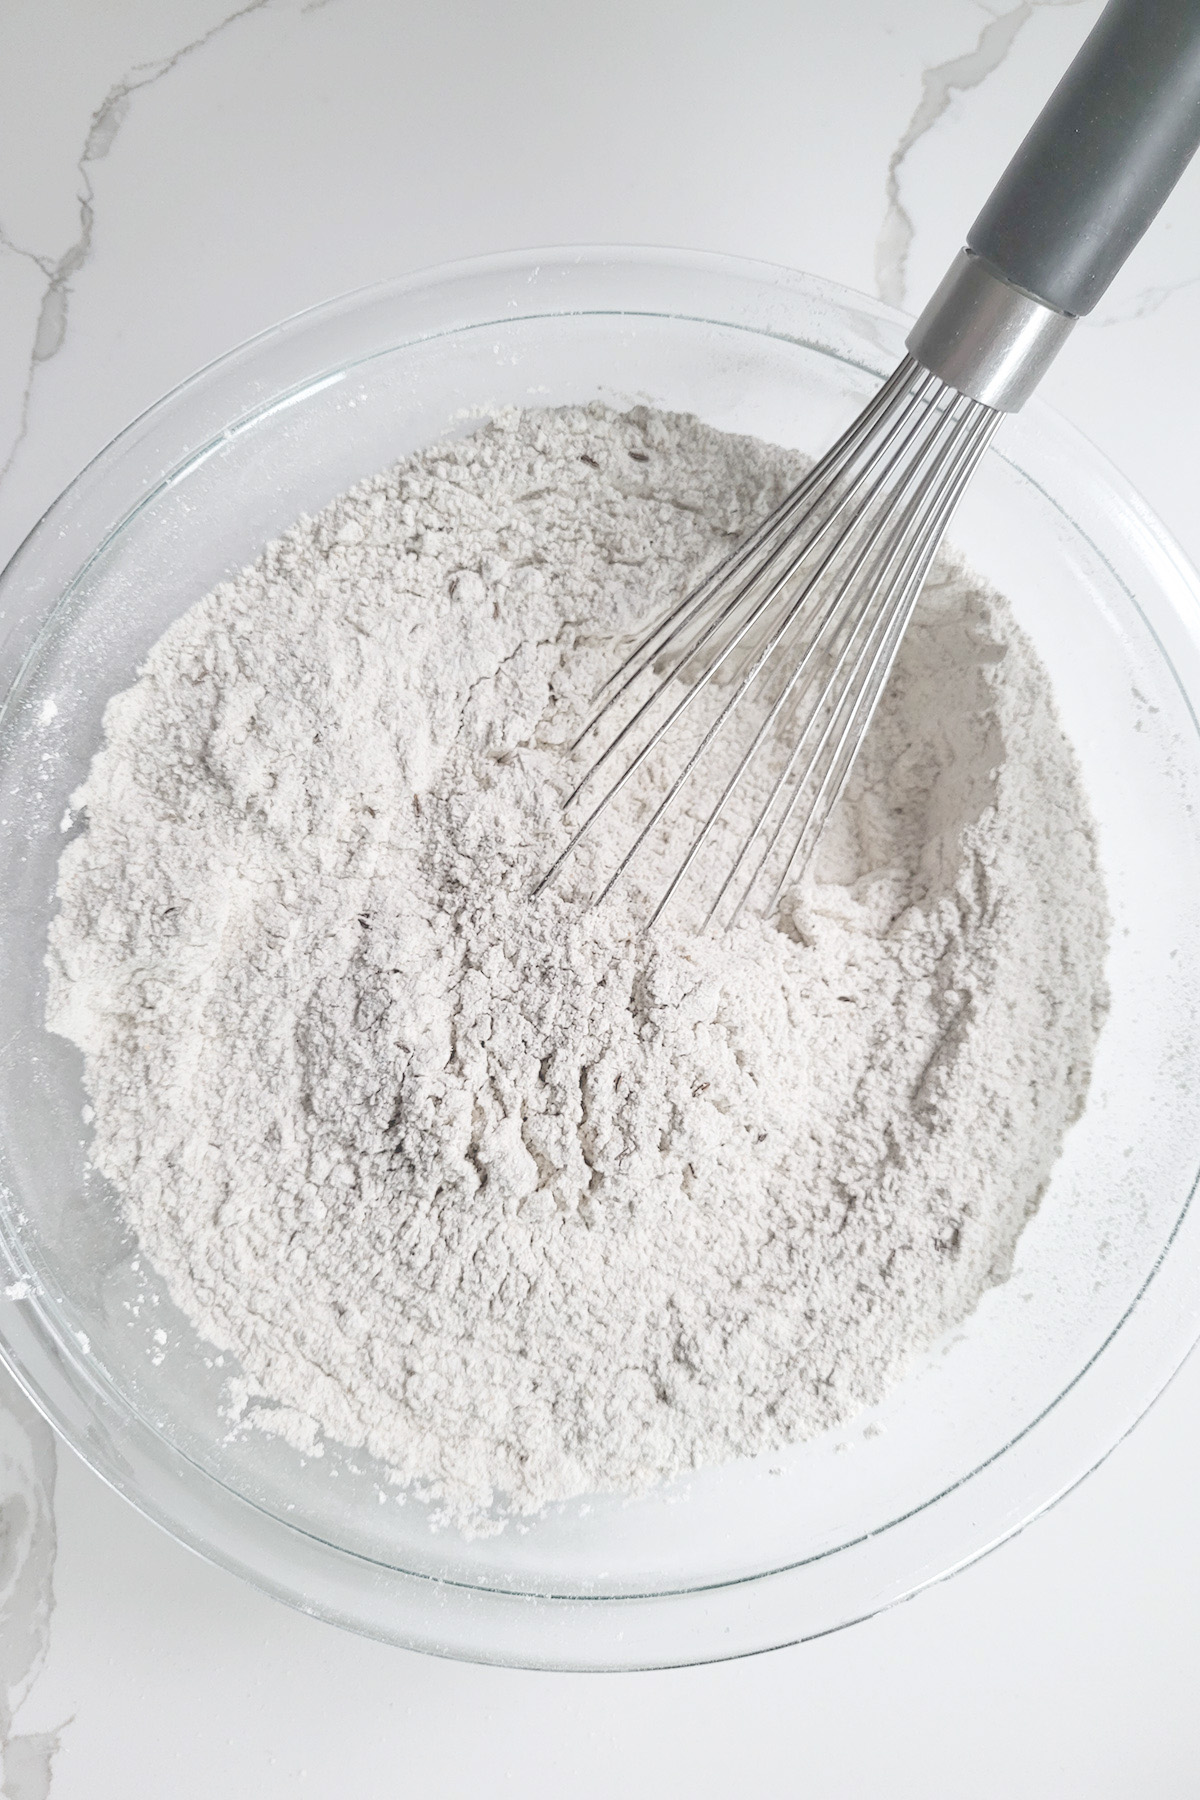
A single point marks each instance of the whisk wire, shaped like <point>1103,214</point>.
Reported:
<point>647,650</point>
<point>908,424</point>
<point>759,661</point>
<point>795,557</point>
<point>898,529</point>
<point>858,703</point>
<point>808,612</point>
<point>834,610</point>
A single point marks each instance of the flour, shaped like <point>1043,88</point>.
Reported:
<point>525,1200</point>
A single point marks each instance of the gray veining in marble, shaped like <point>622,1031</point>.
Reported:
<point>1142,304</point>
<point>28,1544</point>
<point>103,128</point>
<point>938,87</point>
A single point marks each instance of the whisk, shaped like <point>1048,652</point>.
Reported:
<point>747,702</point>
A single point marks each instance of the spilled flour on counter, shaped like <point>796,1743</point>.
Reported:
<point>525,1200</point>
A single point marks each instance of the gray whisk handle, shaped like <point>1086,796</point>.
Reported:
<point>1101,157</point>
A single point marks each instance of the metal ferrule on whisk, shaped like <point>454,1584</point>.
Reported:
<point>986,338</point>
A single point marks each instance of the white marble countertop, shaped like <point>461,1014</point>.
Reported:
<point>172,179</point>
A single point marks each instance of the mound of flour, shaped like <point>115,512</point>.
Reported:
<point>527,1201</point>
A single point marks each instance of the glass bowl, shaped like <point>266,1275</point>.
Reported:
<point>989,1427</point>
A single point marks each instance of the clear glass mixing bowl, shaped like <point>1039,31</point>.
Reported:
<point>987,1429</point>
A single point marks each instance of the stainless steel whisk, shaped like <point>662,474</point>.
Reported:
<point>775,662</point>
